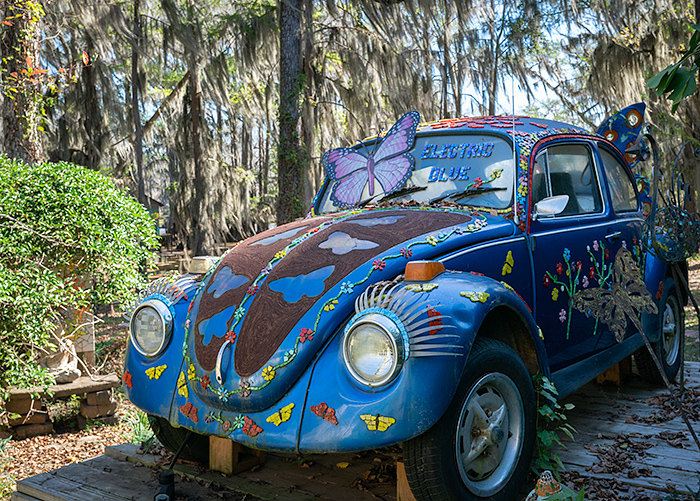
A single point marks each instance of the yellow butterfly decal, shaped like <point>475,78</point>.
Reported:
<point>377,423</point>
<point>479,297</point>
<point>283,415</point>
<point>421,287</point>
<point>182,385</point>
<point>155,372</point>
<point>508,265</point>
<point>190,372</point>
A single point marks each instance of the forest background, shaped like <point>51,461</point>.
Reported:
<point>222,110</point>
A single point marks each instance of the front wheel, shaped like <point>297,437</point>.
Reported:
<point>197,447</point>
<point>482,446</point>
<point>668,345</point>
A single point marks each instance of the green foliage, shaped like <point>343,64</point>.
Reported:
<point>679,80</point>
<point>140,429</point>
<point>550,421</point>
<point>68,237</point>
<point>567,494</point>
<point>7,480</point>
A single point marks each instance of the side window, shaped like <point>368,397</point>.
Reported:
<point>567,170</point>
<point>622,188</point>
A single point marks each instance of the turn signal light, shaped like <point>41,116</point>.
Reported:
<point>421,271</point>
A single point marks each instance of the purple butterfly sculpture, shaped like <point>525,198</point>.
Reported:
<point>389,164</point>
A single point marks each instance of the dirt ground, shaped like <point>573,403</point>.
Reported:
<point>29,457</point>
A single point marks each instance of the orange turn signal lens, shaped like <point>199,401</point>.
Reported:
<point>421,271</point>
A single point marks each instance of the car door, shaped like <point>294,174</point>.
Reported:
<point>572,250</point>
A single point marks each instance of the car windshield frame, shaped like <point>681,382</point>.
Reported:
<point>475,169</point>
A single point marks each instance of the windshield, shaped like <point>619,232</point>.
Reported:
<point>469,169</point>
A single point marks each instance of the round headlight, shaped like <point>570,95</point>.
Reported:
<point>150,326</point>
<point>373,349</point>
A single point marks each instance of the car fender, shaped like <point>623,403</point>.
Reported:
<point>342,414</point>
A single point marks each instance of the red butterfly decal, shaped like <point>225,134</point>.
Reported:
<point>250,428</point>
<point>432,312</point>
<point>323,411</point>
<point>190,411</point>
<point>126,377</point>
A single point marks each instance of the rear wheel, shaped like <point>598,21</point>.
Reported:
<point>197,447</point>
<point>482,446</point>
<point>668,346</point>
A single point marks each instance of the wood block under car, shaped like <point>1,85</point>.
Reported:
<point>230,457</point>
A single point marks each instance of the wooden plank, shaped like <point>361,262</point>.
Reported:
<point>221,454</point>
<point>403,490</point>
<point>80,386</point>
<point>48,487</point>
<point>18,496</point>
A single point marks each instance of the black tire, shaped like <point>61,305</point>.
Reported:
<point>494,379</point>
<point>670,337</point>
<point>197,447</point>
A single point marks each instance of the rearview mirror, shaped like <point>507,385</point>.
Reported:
<point>550,206</point>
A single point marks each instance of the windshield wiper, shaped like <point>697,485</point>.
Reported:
<point>402,192</point>
<point>468,192</point>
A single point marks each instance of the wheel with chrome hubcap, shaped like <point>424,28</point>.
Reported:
<point>487,453</point>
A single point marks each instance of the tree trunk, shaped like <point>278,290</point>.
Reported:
<point>291,155</point>
<point>22,98</point>
<point>135,108</point>
<point>93,124</point>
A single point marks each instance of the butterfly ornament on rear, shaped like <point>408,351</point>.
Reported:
<point>390,164</point>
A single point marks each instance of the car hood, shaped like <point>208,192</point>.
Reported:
<point>259,317</point>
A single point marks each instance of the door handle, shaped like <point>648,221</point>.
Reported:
<point>613,236</point>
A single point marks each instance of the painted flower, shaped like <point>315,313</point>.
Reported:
<point>239,313</point>
<point>624,244</point>
<point>269,373</point>
<point>496,173</point>
<point>226,425</point>
<point>595,245</point>
<point>406,252</point>
<point>221,393</point>
<point>607,253</point>
<point>560,269</point>
<point>379,264</point>
<point>431,240</point>
<point>346,288</point>
<point>187,324</point>
<point>579,265</point>
<point>230,337</point>
<point>238,422</point>
<point>591,272</point>
<point>567,254</point>
<point>289,355</point>
<point>209,418</point>
<point>306,335</point>
<point>280,254</point>
<point>314,230</point>
<point>330,305</point>
<point>634,240</point>
<point>266,270</point>
<point>458,230</point>
<point>522,190</point>
<point>477,182</point>
<point>252,290</point>
<point>585,281</point>
<point>547,281</point>
<point>205,382</point>
<point>244,389</point>
<point>562,315</point>
<point>555,294</point>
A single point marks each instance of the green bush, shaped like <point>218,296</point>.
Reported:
<point>68,237</point>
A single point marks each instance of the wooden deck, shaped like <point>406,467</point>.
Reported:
<point>629,446</point>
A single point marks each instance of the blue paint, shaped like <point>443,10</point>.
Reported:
<point>311,285</point>
<point>342,243</point>
<point>226,280</point>
<point>280,236</point>
<point>215,325</point>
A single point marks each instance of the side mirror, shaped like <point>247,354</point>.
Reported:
<point>550,206</point>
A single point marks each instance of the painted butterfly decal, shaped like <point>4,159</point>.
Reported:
<point>389,164</point>
<point>126,377</point>
<point>155,372</point>
<point>190,411</point>
<point>436,321</point>
<point>283,415</point>
<point>508,265</point>
<point>250,428</point>
<point>323,411</point>
<point>182,385</point>
<point>421,287</point>
<point>377,423</point>
<point>627,297</point>
<point>476,297</point>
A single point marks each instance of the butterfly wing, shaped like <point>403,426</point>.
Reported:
<point>286,412</point>
<point>399,139</point>
<point>350,169</point>
<point>182,385</point>
<point>320,409</point>
<point>370,420</point>
<point>626,273</point>
<point>383,422</point>
<point>151,373</point>
<point>330,416</point>
<point>393,173</point>
<point>275,419</point>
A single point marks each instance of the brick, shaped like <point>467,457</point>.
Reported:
<point>32,430</point>
<point>100,397</point>
<point>93,411</point>
<point>36,418</point>
<point>105,420</point>
<point>22,405</point>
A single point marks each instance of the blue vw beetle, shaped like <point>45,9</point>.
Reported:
<point>441,266</point>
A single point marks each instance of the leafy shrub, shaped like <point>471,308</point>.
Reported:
<point>551,420</point>
<point>68,237</point>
